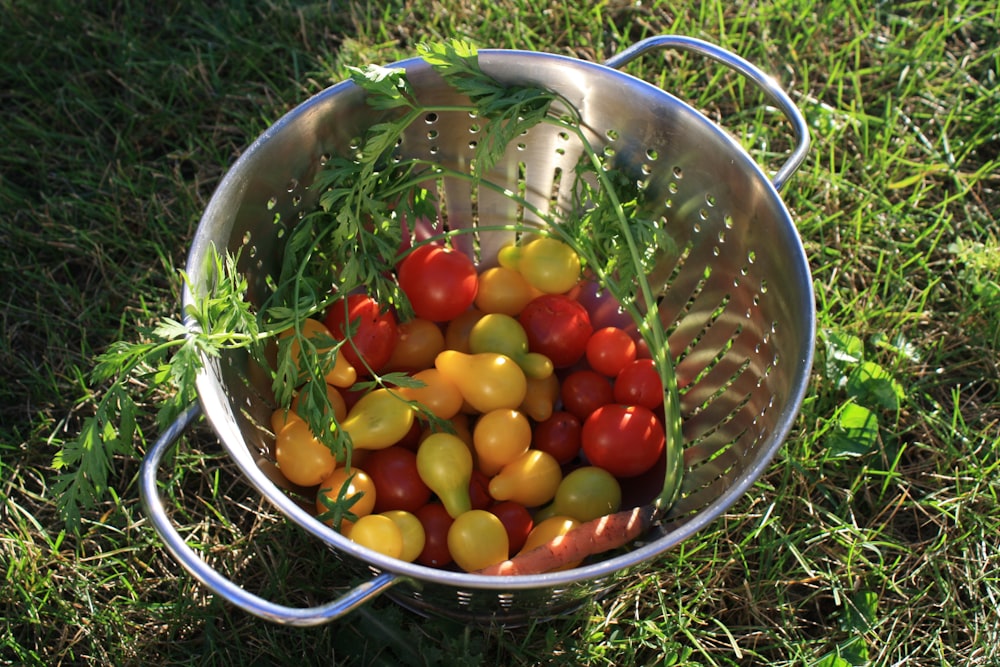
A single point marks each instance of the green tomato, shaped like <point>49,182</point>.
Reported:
<point>587,493</point>
<point>502,334</point>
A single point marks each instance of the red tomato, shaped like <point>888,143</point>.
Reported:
<point>559,435</point>
<point>376,333</point>
<point>584,391</point>
<point>558,327</point>
<point>479,491</point>
<point>436,522</point>
<point>516,520</point>
<point>397,484</point>
<point>609,350</point>
<point>625,440</point>
<point>440,282</point>
<point>639,384</point>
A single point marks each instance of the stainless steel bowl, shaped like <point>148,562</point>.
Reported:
<point>737,302</point>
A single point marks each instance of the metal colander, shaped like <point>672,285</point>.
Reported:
<point>736,291</point>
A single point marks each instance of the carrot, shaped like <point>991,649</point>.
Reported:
<point>596,536</point>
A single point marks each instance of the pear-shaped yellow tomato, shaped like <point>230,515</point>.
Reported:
<point>477,539</point>
<point>444,463</point>
<point>531,479</point>
<point>546,531</point>
<point>547,264</point>
<point>378,533</point>
<point>488,381</point>
<point>500,436</point>
<point>412,532</point>
<point>378,420</point>
<point>342,374</point>
<point>496,332</point>
<point>302,458</point>
<point>503,290</point>
<point>351,483</point>
<point>540,397</point>
<point>439,395</point>
<point>419,342</point>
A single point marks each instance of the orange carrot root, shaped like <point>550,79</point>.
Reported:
<point>597,536</point>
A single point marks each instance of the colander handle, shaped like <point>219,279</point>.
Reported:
<point>203,572</point>
<point>744,67</point>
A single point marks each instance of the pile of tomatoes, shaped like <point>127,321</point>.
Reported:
<point>534,399</point>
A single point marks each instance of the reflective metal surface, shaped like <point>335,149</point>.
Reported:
<point>736,292</point>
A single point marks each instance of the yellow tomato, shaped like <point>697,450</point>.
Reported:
<point>540,397</point>
<point>378,420</point>
<point>412,532</point>
<point>444,463</point>
<point>379,533</point>
<point>500,436</point>
<point>477,539</point>
<point>342,373</point>
<point>357,482</point>
<point>531,479</point>
<point>488,381</point>
<point>503,290</point>
<point>333,395</point>
<point>302,458</point>
<point>547,264</point>
<point>439,395</point>
<point>456,334</point>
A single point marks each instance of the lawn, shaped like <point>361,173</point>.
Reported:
<point>873,538</point>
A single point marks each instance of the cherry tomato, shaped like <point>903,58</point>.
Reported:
<point>609,350</point>
<point>302,458</point>
<point>379,419</point>
<point>379,533</point>
<point>540,397</point>
<point>397,483</point>
<point>516,519</point>
<point>357,481</point>
<point>531,479</point>
<point>587,493</point>
<point>487,380</point>
<point>444,462</point>
<point>440,282</point>
<point>584,391</point>
<point>503,290</point>
<point>500,436</point>
<point>547,264</point>
<point>639,384</point>
<point>419,342</point>
<point>625,440</point>
<point>372,343</point>
<point>412,532</point>
<point>439,395</point>
<point>479,491</point>
<point>557,327</point>
<point>436,522</point>
<point>333,395</point>
<point>477,539</point>
<point>559,435</point>
<point>342,373</point>
<point>456,332</point>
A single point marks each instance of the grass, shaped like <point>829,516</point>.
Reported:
<point>874,538</point>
